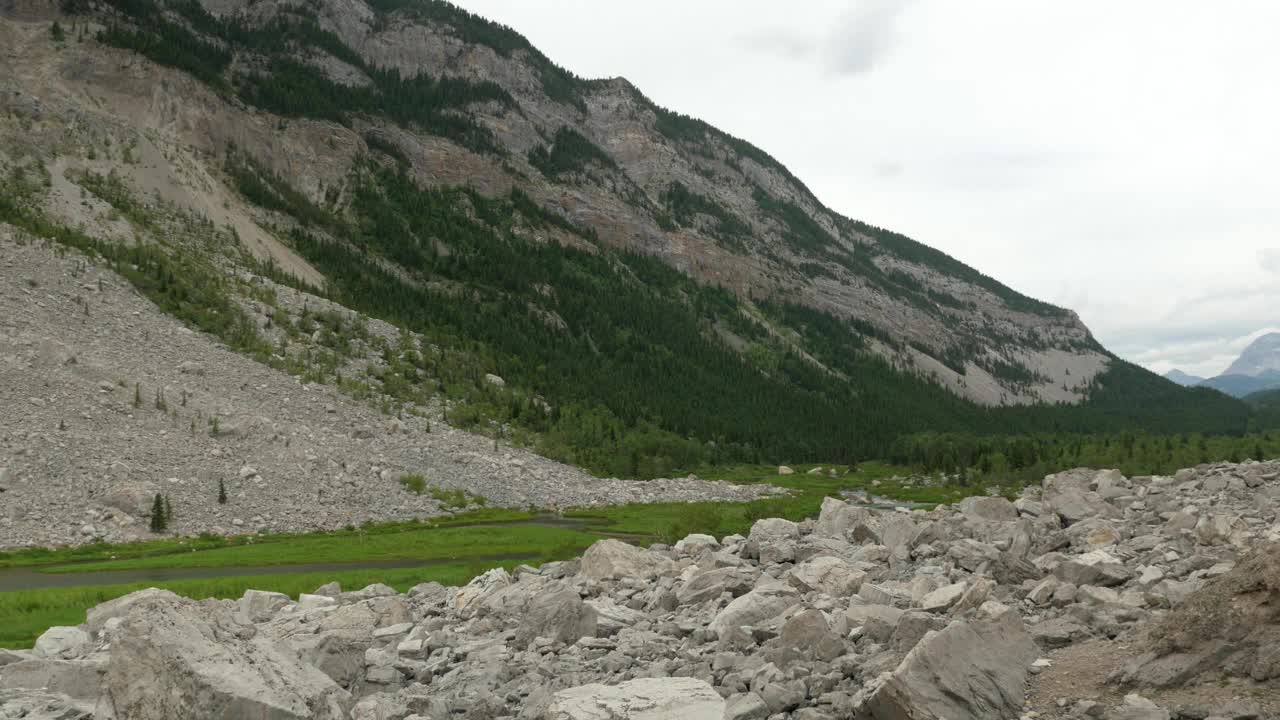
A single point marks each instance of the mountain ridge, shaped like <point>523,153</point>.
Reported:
<point>655,288</point>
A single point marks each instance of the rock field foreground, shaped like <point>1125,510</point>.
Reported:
<point>1092,596</point>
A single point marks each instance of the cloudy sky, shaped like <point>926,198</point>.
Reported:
<point>1120,159</point>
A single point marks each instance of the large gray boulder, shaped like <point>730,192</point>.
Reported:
<point>766,602</point>
<point>559,614</point>
<point>988,509</point>
<point>773,540</point>
<point>711,584</point>
<point>63,643</point>
<point>838,517</point>
<point>611,559</point>
<point>1093,568</point>
<point>175,658</point>
<point>132,497</point>
<point>971,670</point>
<point>831,575</point>
<point>99,616</point>
<point>643,699</point>
<point>1070,494</point>
<point>77,679</point>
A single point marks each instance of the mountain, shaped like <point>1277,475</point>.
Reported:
<point>1242,385</point>
<point>1182,378</point>
<point>1262,356</point>
<point>652,292</point>
<point>1257,369</point>
<point>1265,399</point>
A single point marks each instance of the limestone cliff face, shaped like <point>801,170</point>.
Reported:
<point>944,320</point>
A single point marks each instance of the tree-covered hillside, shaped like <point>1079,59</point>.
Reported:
<point>612,359</point>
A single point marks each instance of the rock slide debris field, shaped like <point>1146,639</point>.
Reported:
<point>1092,595</point>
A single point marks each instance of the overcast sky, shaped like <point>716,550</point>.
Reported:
<point>1119,159</point>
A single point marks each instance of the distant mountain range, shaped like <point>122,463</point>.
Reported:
<point>1183,379</point>
<point>1255,371</point>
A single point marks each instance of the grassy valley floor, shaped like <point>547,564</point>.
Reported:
<point>448,550</point>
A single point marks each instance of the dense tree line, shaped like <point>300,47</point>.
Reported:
<point>980,458</point>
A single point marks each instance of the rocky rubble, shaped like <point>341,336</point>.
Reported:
<point>87,440</point>
<point>974,611</point>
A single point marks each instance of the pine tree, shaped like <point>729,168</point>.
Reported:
<point>222,492</point>
<point>57,32</point>
<point>158,521</point>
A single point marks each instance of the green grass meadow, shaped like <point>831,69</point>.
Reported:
<point>459,547</point>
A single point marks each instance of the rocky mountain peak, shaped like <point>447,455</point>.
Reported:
<point>1261,356</point>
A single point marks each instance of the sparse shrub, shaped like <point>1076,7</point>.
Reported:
<point>56,32</point>
<point>137,395</point>
<point>415,484</point>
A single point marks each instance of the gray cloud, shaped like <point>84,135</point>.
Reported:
<point>864,36</point>
<point>775,41</point>
<point>858,40</point>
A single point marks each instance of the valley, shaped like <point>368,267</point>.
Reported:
<point>359,362</point>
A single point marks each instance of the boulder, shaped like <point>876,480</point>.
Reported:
<point>710,584</point>
<point>79,679</point>
<point>1070,494</point>
<point>260,606</point>
<point>766,602</point>
<point>480,587</point>
<point>808,634</point>
<point>175,658</point>
<point>132,497</point>
<point>988,509</point>
<point>837,518</point>
<point>773,540</point>
<point>745,706</point>
<point>612,617</point>
<point>608,559</point>
<point>63,643</point>
<point>830,575</point>
<point>558,614</point>
<point>971,670</point>
<point>1093,568</point>
<point>941,600</point>
<point>696,544</point>
<point>642,699</point>
<point>98,616</point>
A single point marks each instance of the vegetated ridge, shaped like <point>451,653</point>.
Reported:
<point>654,292</point>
